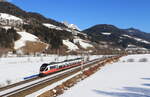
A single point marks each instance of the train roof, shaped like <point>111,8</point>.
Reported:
<point>65,61</point>
<point>72,59</point>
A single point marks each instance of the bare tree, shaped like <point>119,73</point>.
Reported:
<point>3,51</point>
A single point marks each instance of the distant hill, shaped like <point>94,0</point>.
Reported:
<point>120,37</point>
<point>138,33</point>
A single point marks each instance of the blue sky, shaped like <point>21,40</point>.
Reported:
<point>86,13</point>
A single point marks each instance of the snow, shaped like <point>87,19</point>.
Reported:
<point>73,46</point>
<point>59,28</point>
<point>52,26</point>
<point>70,45</point>
<point>72,26</point>
<point>37,93</point>
<point>29,84</point>
<point>121,79</point>
<point>6,27</point>
<point>106,33</point>
<point>9,17</point>
<point>25,36</point>
<point>134,47</point>
<point>49,25</point>
<point>83,43</point>
<point>15,69</point>
<point>137,39</point>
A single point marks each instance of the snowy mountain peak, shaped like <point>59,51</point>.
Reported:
<point>71,26</point>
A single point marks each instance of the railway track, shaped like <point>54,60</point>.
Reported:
<point>27,87</point>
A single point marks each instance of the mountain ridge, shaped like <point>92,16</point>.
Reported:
<point>58,35</point>
<point>50,32</point>
<point>121,37</point>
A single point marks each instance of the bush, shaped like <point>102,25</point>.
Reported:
<point>143,60</point>
<point>8,82</point>
<point>130,60</point>
<point>7,37</point>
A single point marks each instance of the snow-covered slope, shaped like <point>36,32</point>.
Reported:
<point>137,39</point>
<point>104,33</point>
<point>52,26</point>
<point>9,17</point>
<point>72,30</point>
<point>134,47</point>
<point>25,36</point>
<point>84,44</point>
<point>70,45</point>
<point>77,42</point>
<point>10,20</point>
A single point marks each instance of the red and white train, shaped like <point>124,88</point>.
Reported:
<point>53,67</point>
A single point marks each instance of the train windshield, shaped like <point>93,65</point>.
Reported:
<point>43,67</point>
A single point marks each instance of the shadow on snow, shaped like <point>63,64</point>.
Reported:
<point>129,91</point>
<point>146,78</point>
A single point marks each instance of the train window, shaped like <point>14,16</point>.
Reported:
<point>60,66</point>
<point>42,68</point>
<point>56,66</point>
<point>52,67</point>
<point>46,69</point>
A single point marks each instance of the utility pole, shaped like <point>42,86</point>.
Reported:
<point>83,59</point>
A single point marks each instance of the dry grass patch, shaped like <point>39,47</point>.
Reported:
<point>34,47</point>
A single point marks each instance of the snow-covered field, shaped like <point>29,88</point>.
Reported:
<point>15,69</point>
<point>130,77</point>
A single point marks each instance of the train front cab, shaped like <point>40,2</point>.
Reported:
<point>43,68</point>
